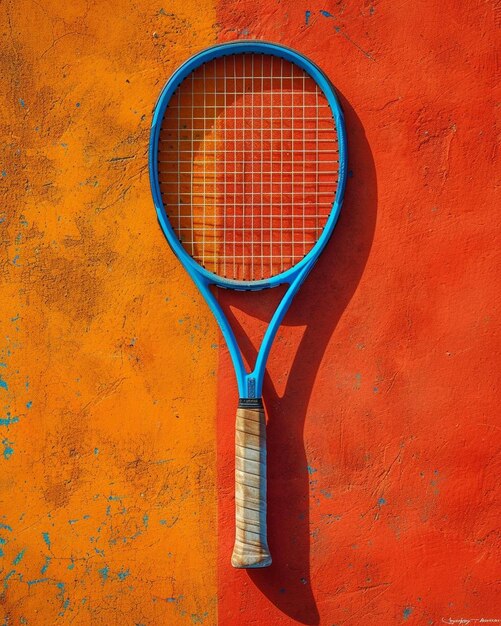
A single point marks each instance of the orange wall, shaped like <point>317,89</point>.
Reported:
<point>114,506</point>
<point>108,496</point>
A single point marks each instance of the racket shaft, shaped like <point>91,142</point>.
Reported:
<point>251,545</point>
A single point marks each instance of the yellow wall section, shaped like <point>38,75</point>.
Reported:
<point>107,391</point>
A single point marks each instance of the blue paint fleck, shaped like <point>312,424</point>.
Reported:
<point>4,526</point>
<point>71,565</point>
<point>311,470</point>
<point>19,557</point>
<point>407,612</point>
<point>132,342</point>
<point>4,173</point>
<point>6,579</point>
<point>22,103</point>
<point>77,104</point>
<point>307,17</point>
<point>74,521</point>
<point>114,498</point>
<point>145,520</point>
<point>7,421</point>
<point>8,451</point>
<point>3,384</point>
<point>45,565</point>
<point>326,14</point>
<point>104,573</point>
<point>170,599</point>
<point>3,364</point>
<point>46,538</point>
<point>15,260</point>
<point>29,404</point>
<point>66,604</point>
<point>96,451</point>
<point>37,581</point>
<point>122,574</point>
<point>325,493</point>
<point>381,502</point>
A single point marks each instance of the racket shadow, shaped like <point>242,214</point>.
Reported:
<point>317,307</point>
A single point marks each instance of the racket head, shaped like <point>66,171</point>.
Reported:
<point>195,266</point>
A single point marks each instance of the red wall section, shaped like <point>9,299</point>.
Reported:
<point>382,435</point>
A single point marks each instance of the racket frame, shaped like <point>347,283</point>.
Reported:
<point>249,383</point>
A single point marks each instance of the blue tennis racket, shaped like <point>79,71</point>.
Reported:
<point>248,169</point>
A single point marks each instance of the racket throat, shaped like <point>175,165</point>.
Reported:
<point>251,387</point>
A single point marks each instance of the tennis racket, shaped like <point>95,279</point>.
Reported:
<point>248,169</point>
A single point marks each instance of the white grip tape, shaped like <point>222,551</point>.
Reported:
<point>251,545</point>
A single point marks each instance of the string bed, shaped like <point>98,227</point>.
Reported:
<point>248,165</point>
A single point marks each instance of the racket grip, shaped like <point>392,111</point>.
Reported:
<point>251,545</point>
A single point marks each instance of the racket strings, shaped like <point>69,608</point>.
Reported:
<point>248,165</point>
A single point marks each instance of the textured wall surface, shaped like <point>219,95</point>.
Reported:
<point>117,395</point>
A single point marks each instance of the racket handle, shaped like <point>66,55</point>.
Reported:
<point>251,545</point>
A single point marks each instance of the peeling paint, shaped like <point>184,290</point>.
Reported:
<point>8,450</point>
<point>19,557</point>
<point>104,573</point>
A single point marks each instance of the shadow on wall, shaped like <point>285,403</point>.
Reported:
<point>318,306</point>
